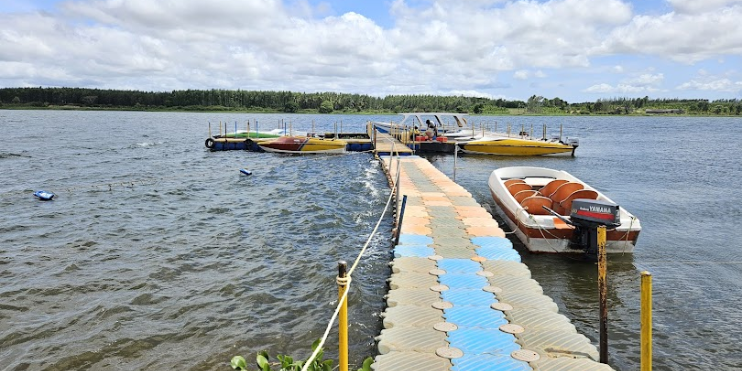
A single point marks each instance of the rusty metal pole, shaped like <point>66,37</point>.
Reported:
<point>602,288</point>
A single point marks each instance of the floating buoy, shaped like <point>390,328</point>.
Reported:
<point>44,195</point>
<point>245,171</point>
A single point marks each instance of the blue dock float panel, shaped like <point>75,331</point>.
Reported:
<point>492,242</point>
<point>468,297</point>
<point>410,251</point>
<point>481,341</point>
<point>463,281</point>
<point>488,362</point>
<point>498,254</point>
<point>414,239</point>
<point>474,316</point>
<point>459,266</point>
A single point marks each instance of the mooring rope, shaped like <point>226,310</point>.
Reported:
<point>348,279</point>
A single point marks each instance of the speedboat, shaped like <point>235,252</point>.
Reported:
<point>454,128</point>
<point>291,144</point>
<point>523,145</point>
<point>551,211</point>
<point>447,124</point>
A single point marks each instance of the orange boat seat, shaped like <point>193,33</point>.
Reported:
<point>565,206</point>
<point>525,193</point>
<point>534,205</point>
<point>564,191</point>
<point>550,187</point>
<point>510,182</point>
<point>517,187</point>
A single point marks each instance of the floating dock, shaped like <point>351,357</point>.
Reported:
<point>385,145</point>
<point>372,140</point>
<point>460,298</point>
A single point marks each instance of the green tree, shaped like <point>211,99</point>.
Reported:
<point>290,107</point>
<point>535,103</point>
<point>325,107</point>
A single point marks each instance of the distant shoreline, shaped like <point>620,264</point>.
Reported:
<point>358,113</point>
<point>245,101</point>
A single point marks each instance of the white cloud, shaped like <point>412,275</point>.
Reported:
<point>646,79</point>
<point>719,84</point>
<point>433,46</point>
<point>471,93</point>
<point>620,89</point>
<point>686,38</point>
<point>521,75</point>
<point>525,74</point>
<point>696,7</point>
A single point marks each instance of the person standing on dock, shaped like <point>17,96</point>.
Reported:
<point>432,131</point>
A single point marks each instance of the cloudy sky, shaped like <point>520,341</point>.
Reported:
<point>577,50</point>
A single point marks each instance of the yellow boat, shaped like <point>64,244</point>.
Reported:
<point>288,144</point>
<point>505,146</point>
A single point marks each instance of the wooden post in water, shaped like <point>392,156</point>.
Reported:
<point>602,288</point>
<point>342,282</point>
<point>646,322</point>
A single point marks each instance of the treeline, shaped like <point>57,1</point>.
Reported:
<point>327,102</point>
<point>216,99</point>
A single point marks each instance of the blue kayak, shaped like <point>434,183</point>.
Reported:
<point>44,195</point>
<point>245,171</point>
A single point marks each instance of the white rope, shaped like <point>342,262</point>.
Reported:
<point>329,327</point>
<point>348,277</point>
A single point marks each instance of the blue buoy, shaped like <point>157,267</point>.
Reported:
<point>245,171</point>
<point>44,195</point>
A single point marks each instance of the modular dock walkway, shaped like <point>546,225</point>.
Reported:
<point>460,299</point>
<point>384,144</point>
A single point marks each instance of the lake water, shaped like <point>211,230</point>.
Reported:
<point>157,253</point>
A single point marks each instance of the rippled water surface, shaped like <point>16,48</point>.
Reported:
<point>159,254</point>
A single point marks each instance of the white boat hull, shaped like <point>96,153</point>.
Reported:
<point>540,233</point>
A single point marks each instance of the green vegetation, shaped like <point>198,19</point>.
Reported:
<point>287,363</point>
<point>327,102</point>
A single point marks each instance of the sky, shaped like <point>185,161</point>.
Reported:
<point>576,50</point>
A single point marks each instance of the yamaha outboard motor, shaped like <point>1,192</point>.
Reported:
<point>586,216</point>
